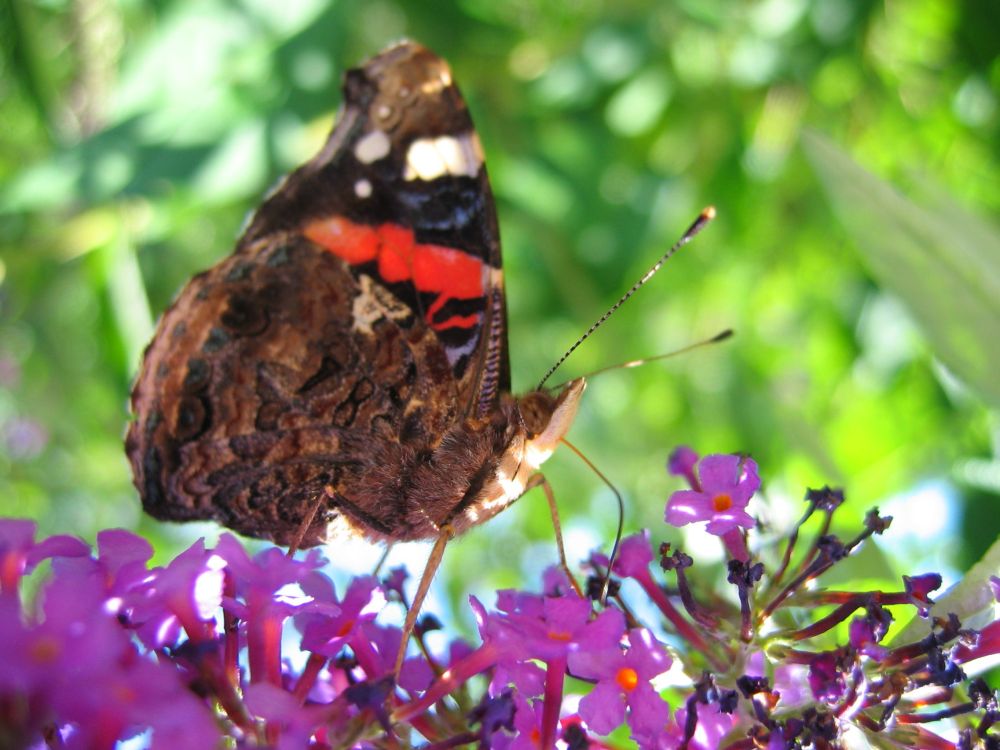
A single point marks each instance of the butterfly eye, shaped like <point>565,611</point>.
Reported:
<point>536,411</point>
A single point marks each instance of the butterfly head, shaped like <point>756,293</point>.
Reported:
<point>547,419</point>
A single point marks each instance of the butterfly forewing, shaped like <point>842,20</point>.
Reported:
<point>400,192</point>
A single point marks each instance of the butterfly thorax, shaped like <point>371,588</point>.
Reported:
<point>477,468</point>
<point>536,422</point>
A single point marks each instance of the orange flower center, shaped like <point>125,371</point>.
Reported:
<point>559,635</point>
<point>722,502</point>
<point>627,678</point>
<point>124,694</point>
<point>45,650</point>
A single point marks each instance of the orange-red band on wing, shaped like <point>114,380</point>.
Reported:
<point>451,273</point>
<point>355,243</point>
<point>457,321</point>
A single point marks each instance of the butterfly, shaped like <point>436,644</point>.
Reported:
<point>346,368</point>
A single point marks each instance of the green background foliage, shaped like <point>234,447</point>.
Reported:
<point>137,135</point>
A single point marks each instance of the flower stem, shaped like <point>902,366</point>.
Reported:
<point>683,627</point>
<point>264,648</point>
<point>736,545</point>
<point>554,678</point>
<point>308,677</point>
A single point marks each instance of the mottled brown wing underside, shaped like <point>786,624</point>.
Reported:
<point>256,398</point>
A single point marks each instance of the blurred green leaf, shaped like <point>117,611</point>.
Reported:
<point>943,262</point>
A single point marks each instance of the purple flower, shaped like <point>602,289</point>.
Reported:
<point>186,594</point>
<point>285,716</point>
<point>269,588</point>
<point>825,677</point>
<point>415,674</point>
<point>634,556</point>
<point>667,739</point>
<point>919,588</point>
<point>330,630</point>
<point>494,714</point>
<point>395,581</point>
<point>713,725</point>
<point>525,676</point>
<point>988,642</point>
<point>623,682</point>
<point>788,681</point>
<point>19,553</point>
<point>682,464</point>
<point>727,483</point>
<point>866,632</point>
<point>269,572</point>
<point>556,583</point>
<point>554,627</point>
<point>527,726</point>
<point>120,702</point>
<point>77,666</point>
<point>74,672</point>
<point>549,629</point>
<point>123,555</point>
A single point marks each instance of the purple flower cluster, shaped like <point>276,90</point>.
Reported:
<point>223,649</point>
<point>71,673</point>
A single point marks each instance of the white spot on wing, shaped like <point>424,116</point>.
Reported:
<point>362,188</point>
<point>450,151</point>
<point>434,85</point>
<point>430,158</point>
<point>423,161</point>
<point>373,303</point>
<point>372,147</point>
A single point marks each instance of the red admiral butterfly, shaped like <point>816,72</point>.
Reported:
<point>351,354</point>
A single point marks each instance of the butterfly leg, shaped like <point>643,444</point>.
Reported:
<point>308,520</point>
<point>539,480</point>
<point>382,559</point>
<point>433,562</point>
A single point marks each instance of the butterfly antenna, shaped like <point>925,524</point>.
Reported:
<point>621,518</point>
<point>721,336</point>
<point>703,218</point>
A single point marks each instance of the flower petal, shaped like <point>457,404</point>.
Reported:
<point>719,472</point>
<point>603,708</point>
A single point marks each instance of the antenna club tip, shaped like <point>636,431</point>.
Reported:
<point>708,213</point>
